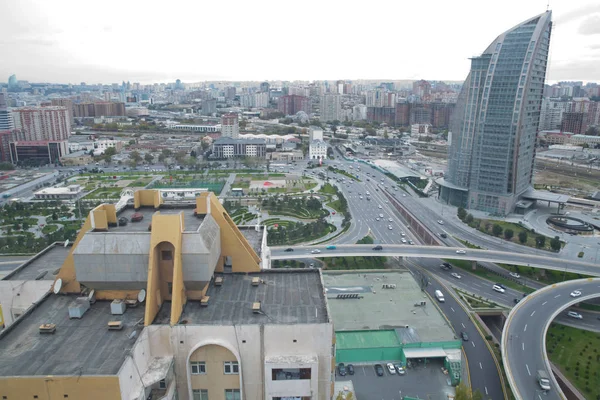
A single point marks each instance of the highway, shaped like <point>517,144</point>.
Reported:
<point>524,336</point>
<point>400,250</point>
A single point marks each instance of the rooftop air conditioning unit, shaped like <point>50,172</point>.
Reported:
<point>117,307</point>
<point>204,301</point>
<point>78,307</point>
<point>256,307</point>
<point>218,281</point>
<point>255,281</point>
<point>115,325</point>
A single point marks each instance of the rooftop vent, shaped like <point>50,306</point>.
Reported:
<point>204,301</point>
<point>118,307</point>
<point>47,328</point>
<point>218,281</point>
<point>388,286</point>
<point>255,281</point>
<point>347,296</point>
<point>115,325</point>
<point>256,308</point>
<point>78,307</point>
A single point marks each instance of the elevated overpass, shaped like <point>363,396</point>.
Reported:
<point>398,250</point>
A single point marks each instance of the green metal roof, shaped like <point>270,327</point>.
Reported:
<point>366,339</point>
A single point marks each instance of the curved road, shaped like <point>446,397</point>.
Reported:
<point>524,336</point>
<point>399,250</point>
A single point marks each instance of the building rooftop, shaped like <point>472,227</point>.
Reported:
<point>47,263</point>
<point>377,308</point>
<point>286,297</point>
<point>191,222</point>
<point>78,347</point>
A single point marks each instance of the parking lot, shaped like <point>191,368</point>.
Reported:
<point>422,382</point>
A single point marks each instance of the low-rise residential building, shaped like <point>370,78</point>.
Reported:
<point>76,158</point>
<point>317,150</point>
<point>226,147</point>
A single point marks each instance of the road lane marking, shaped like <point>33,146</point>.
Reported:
<point>463,325</point>
<point>523,346</point>
<point>486,392</point>
<point>529,372</point>
<point>473,343</point>
<point>557,296</point>
<point>544,303</point>
<point>480,366</point>
<point>525,330</point>
<point>533,313</point>
<point>452,309</point>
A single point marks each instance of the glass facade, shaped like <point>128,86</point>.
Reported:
<point>495,122</point>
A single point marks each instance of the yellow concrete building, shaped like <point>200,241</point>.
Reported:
<point>164,299</point>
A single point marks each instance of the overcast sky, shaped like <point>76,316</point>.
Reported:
<point>72,41</point>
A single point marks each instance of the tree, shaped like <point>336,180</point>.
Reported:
<point>461,213</point>
<point>464,393</point>
<point>592,131</point>
<point>540,241</point>
<point>135,157</point>
<point>554,243</point>
<point>180,156</point>
<point>149,158</point>
<point>522,237</point>
<point>497,230</point>
<point>111,151</point>
<point>508,234</point>
<point>469,218</point>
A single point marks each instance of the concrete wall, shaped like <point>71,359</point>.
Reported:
<point>215,380</point>
<point>56,387</point>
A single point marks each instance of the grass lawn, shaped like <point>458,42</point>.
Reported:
<point>327,189</point>
<point>104,193</point>
<point>335,205</point>
<point>485,226</point>
<point>577,354</point>
<point>47,229</point>
<point>140,182</point>
<point>309,185</point>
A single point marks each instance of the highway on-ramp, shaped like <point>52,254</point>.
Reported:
<point>524,336</point>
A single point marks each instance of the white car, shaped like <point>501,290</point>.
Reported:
<point>379,206</point>
<point>403,241</point>
<point>461,252</point>
<point>380,215</point>
<point>575,293</point>
<point>515,275</point>
<point>389,219</point>
<point>386,202</point>
<point>498,289</point>
<point>316,251</point>
<point>440,222</point>
<point>378,218</point>
<point>575,315</point>
<point>403,195</point>
<point>390,227</point>
<point>391,368</point>
<point>454,274</point>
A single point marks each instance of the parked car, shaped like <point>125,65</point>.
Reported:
<point>123,221</point>
<point>464,336</point>
<point>400,369</point>
<point>378,369</point>
<point>289,249</point>
<point>443,235</point>
<point>575,293</point>
<point>575,315</point>
<point>391,368</point>
<point>331,247</point>
<point>350,369</point>
<point>137,217</point>
<point>378,247</point>
<point>341,369</point>
<point>440,222</point>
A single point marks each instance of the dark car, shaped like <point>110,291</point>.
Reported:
<point>516,301</point>
<point>123,221</point>
<point>350,369</point>
<point>443,235</point>
<point>378,369</point>
<point>377,248</point>
<point>464,336</point>
<point>289,249</point>
<point>501,285</point>
<point>341,369</point>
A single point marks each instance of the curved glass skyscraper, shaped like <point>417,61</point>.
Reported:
<point>495,122</point>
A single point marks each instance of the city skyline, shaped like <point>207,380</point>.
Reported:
<point>60,44</point>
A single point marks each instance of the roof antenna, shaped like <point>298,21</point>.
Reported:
<point>548,6</point>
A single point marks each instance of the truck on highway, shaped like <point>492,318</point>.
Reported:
<point>543,380</point>
<point>439,296</point>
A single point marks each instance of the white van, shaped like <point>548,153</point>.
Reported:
<point>439,296</point>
